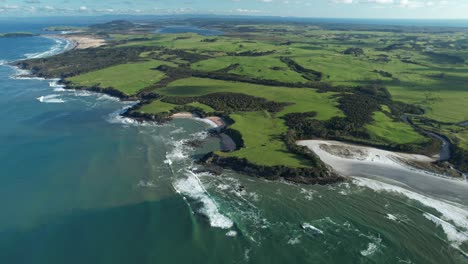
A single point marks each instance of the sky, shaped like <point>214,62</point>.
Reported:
<point>383,9</point>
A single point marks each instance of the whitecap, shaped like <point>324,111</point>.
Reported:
<point>391,217</point>
<point>207,121</point>
<point>50,99</point>
<point>107,97</point>
<point>453,235</point>
<point>179,152</point>
<point>200,135</point>
<point>371,249</point>
<point>192,187</point>
<point>294,240</point>
<point>308,194</point>
<point>82,93</point>
<point>231,233</point>
<point>455,213</point>
<point>310,228</point>
<point>117,118</point>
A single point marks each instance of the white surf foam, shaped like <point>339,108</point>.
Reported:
<point>199,135</point>
<point>311,228</point>
<point>59,46</point>
<point>207,121</point>
<point>107,98</point>
<point>179,151</point>
<point>51,99</point>
<point>192,187</point>
<point>231,233</point>
<point>451,212</point>
<point>117,118</point>
<point>82,93</point>
<point>391,217</point>
<point>371,249</point>
<point>54,83</point>
<point>308,194</point>
<point>453,235</point>
<point>294,240</point>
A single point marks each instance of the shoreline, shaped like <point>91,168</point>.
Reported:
<point>80,41</point>
<point>387,166</point>
<point>215,122</point>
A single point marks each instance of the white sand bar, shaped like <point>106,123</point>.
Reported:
<point>361,161</point>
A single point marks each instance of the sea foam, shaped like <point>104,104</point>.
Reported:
<point>51,99</point>
<point>59,46</point>
<point>192,187</point>
<point>455,213</point>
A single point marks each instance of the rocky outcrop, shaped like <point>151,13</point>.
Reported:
<point>303,175</point>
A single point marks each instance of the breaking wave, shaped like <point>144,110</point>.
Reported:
<point>372,247</point>
<point>51,99</point>
<point>59,46</point>
<point>192,187</point>
<point>454,219</point>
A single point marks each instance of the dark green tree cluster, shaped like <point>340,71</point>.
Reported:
<point>308,74</point>
<point>252,53</point>
<point>230,102</point>
<point>354,51</point>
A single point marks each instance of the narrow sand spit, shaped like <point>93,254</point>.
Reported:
<point>387,166</point>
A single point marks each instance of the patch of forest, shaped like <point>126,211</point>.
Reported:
<point>308,74</point>
<point>358,108</point>
<point>229,102</point>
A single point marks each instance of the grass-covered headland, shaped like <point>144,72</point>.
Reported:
<point>281,82</point>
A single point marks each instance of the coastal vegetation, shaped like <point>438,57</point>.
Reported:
<point>17,34</point>
<point>311,81</point>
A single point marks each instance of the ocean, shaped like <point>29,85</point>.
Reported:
<point>80,184</point>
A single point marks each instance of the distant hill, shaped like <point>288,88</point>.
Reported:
<point>114,25</point>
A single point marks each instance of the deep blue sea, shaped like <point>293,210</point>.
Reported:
<point>80,184</point>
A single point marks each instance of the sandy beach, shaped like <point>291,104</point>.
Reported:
<point>214,121</point>
<point>83,41</point>
<point>387,166</point>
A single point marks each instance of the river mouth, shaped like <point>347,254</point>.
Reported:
<point>188,29</point>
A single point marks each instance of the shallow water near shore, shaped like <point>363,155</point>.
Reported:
<point>79,184</point>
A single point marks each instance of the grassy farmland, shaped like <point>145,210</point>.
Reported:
<point>262,139</point>
<point>303,99</point>
<point>303,74</point>
<point>129,78</point>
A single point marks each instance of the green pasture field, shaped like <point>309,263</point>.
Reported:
<point>157,107</point>
<point>264,67</point>
<point>303,99</point>
<point>262,138</point>
<point>129,78</point>
<point>384,129</point>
